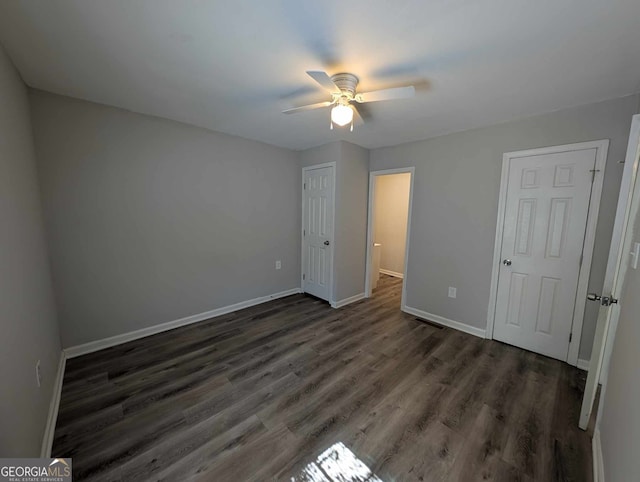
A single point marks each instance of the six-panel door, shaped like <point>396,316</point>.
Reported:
<point>545,221</point>
<point>318,231</point>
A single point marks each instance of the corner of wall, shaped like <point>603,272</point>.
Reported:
<point>33,331</point>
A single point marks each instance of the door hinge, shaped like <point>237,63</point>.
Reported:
<point>304,232</point>
<point>593,174</point>
<point>304,185</point>
<point>581,258</point>
<point>570,337</point>
<point>303,276</point>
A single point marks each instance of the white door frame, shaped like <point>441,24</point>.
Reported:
<point>601,147</point>
<point>370,221</point>
<point>333,228</point>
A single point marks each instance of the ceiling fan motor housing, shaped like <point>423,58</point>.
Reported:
<point>347,83</point>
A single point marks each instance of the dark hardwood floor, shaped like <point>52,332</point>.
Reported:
<point>296,389</point>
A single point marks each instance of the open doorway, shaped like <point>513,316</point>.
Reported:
<point>390,199</point>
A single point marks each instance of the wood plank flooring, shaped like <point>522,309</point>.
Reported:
<point>295,390</point>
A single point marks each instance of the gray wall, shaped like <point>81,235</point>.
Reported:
<point>150,220</point>
<point>456,197</point>
<point>331,152</point>
<point>620,418</point>
<point>27,310</point>
<point>350,226</point>
<point>352,195</point>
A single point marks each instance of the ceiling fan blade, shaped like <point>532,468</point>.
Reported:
<point>386,94</point>
<point>319,105</point>
<point>324,80</point>
<point>357,118</point>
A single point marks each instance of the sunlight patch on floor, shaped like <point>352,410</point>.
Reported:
<point>338,464</point>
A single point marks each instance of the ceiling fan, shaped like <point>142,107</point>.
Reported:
<point>342,88</point>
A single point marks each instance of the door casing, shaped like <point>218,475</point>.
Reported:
<point>601,147</point>
<point>333,234</point>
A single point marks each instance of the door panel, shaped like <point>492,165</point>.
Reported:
<point>517,295</point>
<point>318,231</point>
<point>617,265</point>
<point>546,304</point>
<point>546,213</point>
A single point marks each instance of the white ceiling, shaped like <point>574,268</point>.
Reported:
<point>233,65</point>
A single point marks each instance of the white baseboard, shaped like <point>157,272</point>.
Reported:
<point>92,346</point>
<point>456,325</point>
<point>391,273</point>
<point>346,301</point>
<point>598,465</point>
<point>50,428</point>
<point>583,364</point>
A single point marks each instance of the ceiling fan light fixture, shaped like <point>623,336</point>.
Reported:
<point>344,97</point>
<point>341,115</point>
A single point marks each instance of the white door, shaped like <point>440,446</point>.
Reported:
<point>546,210</point>
<point>617,265</point>
<point>317,225</point>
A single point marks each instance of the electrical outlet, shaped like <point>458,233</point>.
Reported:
<point>278,264</point>
<point>38,374</point>
<point>452,292</point>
